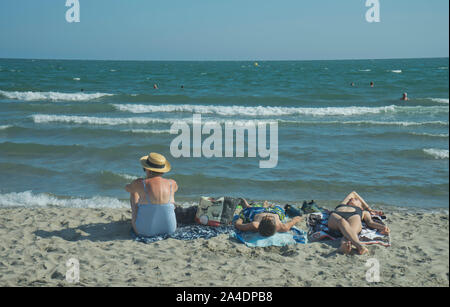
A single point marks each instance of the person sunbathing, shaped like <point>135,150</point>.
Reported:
<point>266,220</point>
<point>346,220</point>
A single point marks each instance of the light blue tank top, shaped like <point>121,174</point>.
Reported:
<point>155,220</point>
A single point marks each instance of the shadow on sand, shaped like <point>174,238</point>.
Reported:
<point>98,232</point>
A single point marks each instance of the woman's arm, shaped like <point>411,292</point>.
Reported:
<point>363,202</point>
<point>134,198</point>
<point>348,197</point>
<point>370,223</point>
<point>132,187</point>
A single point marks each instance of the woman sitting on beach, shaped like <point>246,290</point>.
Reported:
<point>347,219</point>
<point>266,220</point>
<point>152,198</point>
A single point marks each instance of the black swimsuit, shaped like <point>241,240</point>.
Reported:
<point>347,215</point>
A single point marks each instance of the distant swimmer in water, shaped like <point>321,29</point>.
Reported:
<point>182,86</point>
<point>352,84</point>
<point>155,86</point>
<point>405,97</point>
<point>372,84</point>
<point>82,90</point>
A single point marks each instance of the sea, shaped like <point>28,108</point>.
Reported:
<point>72,131</point>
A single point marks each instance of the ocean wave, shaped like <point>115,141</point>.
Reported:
<point>367,123</point>
<point>120,176</point>
<point>127,177</point>
<point>443,135</point>
<point>114,121</point>
<point>52,96</point>
<point>29,199</point>
<point>51,151</point>
<point>4,127</point>
<point>439,100</point>
<point>273,111</point>
<point>396,134</point>
<point>437,153</point>
<point>150,131</point>
<point>43,118</point>
<point>365,70</point>
<point>396,71</point>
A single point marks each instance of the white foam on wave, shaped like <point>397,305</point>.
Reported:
<point>44,118</point>
<point>52,96</point>
<point>127,177</point>
<point>29,199</point>
<point>443,68</point>
<point>443,135</point>
<point>439,100</point>
<point>396,71</point>
<point>268,110</point>
<point>368,122</point>
<point>365,70</point>
<point>76,79</point>
<point>150,131</point>
<point>437,153</point>
<point>4,127</point>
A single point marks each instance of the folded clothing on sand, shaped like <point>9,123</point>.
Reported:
<point>318,230</point>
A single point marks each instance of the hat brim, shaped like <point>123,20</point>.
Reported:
<point>144,164</point>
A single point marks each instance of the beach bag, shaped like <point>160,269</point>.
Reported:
<point>185,216</point>
<point>216,211</point>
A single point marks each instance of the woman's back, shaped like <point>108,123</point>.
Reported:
<point>157,191</point>
<point>156,211</point>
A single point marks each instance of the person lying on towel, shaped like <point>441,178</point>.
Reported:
<point>346,221</point>
<point>266,220</point>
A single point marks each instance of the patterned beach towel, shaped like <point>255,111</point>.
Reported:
<point>318,230</point>
<point>254,239</point>
<point>188,232</point>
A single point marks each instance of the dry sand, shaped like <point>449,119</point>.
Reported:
<point>36,243</point>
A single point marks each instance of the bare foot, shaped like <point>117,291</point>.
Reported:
<point>346,247</point>
<point>385,231</point>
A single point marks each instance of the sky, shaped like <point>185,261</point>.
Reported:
<point>223,30</point>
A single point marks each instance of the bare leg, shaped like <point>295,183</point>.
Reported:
<point>356,226</point>
<point>338,223</point>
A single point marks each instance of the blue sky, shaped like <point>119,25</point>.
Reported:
<point>223,30</point>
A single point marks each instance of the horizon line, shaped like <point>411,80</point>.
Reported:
<point>225,60</point>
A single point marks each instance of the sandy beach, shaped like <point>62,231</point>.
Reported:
<point>35,244</point>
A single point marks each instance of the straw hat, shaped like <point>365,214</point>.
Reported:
<point>155,162</point>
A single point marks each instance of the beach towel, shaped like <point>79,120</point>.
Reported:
<point>254,239</point>
<point>318,230</point>
<point>188,232</point>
